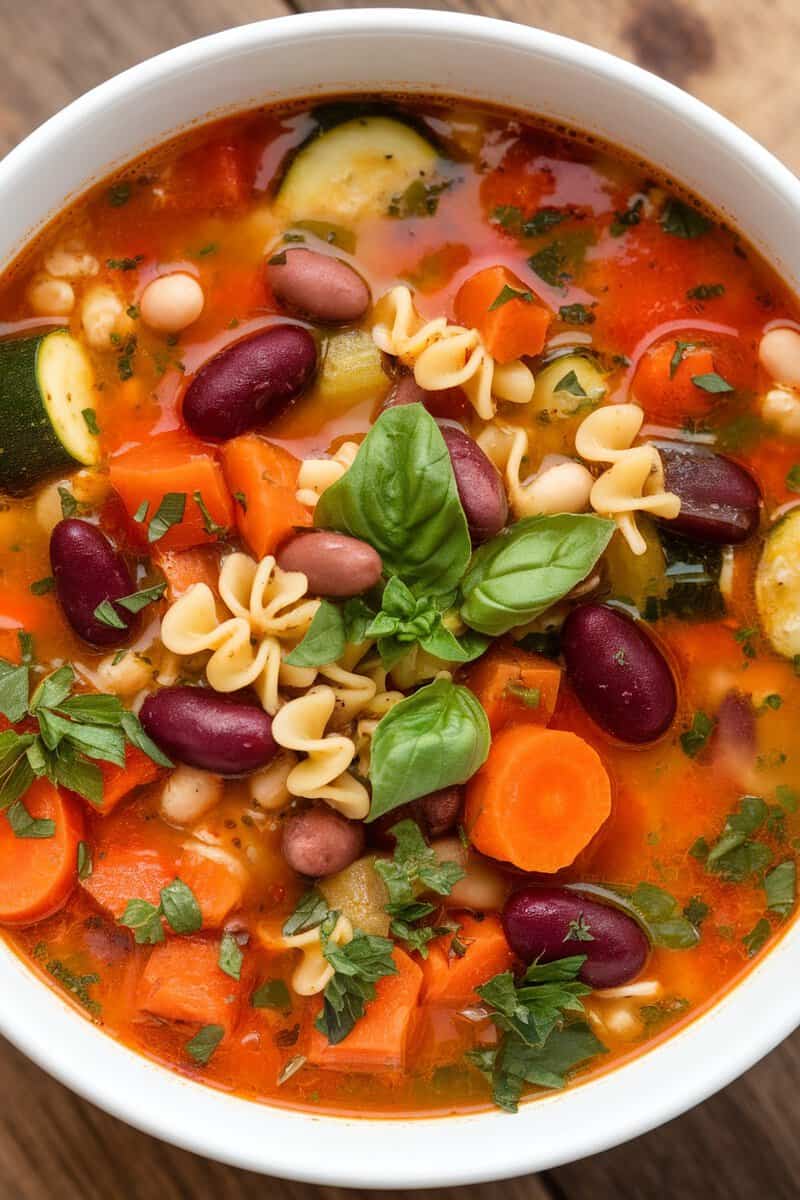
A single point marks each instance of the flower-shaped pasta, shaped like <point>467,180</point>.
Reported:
<point>367,723</point>
<point>560,484</point>
<point>445,355</point>
<point>317,474</point>
<point>635,480</point>
<point>322,775</point>
<point>313,973</point>
<point>266,604</point>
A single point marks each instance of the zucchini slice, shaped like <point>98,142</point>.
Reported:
<point>778,585</point>
<point>46,384</point>
<point>353,170</point>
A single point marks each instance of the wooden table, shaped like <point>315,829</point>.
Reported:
<point>742,1144</point>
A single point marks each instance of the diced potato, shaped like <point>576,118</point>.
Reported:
<point>637,577</point>
<point>352,370</point>
<point>359,893</point>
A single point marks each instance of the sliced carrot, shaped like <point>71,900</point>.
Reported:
<point>173,462</point>
<point>118,782</point>
<point>515,686</point>
<point>38,874</point>
<point>209,177</point>
<point>183,568</point>
<point>378,1040</point>
<point>10,648</point>
<point>183,981</point>
<point>505,313</point>
<point>218,890</point>
<point>663,382</point>
<point>126,868</point>
<point>262,478</point>
<point>539,798</point>
<point>451,978</point>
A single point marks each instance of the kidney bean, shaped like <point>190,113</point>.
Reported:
<point>720,500</point>
<point>333,563</point>
<point>436,813</point>
<point>203,729</point>
<point>407,391</point>
<point>317,286</point>
<point>619,675</point>
<point>320,842</point>
<point>538,923</point>
<point>480,487</point>
<point>250,381</point>
<point>734,742</point>
<point>107,942</point>
<point>88,570</point>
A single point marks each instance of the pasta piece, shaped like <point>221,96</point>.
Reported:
<point>635,480</point>
<point>317,474</point>
<point>300,725</point>
<point>444,355</point>
<point>367,723</point>
<point>313,973</point>
<point>560,484</point>
<point>265,596</point>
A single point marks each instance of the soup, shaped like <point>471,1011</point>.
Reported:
<point>400,621</point>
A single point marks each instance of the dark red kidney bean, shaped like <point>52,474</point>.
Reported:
<point>720,501</point>
<point>317,286</point>
<point>538,923</point>
<point>480,487</point>
<point>88,570</point>
<point>734,741</point>
<point>618,673</point>
<point>250,382</point>
<point>108,942</point>
<point>320,842</point>
<point>203,729</point>
<point>436,814</point>
<point>407,391</point>
<point>333,563</point>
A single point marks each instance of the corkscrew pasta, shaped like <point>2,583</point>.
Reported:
<point>317,474</point>
<point>323,774</point>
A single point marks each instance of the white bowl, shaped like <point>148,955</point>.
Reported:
<point>536,72</point>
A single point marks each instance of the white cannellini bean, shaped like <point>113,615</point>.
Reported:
<point>483,888</point>
<point>779,355</point>
<point>268,786</point>
<point>49,297</point>
<point>171,302</point>
<point>70,261</point>
<point>560,485</point>
<point>90,486</point>
<point>781,407</point>
<point>188,794</point>
<point>103,315</point>
<point>126,676</point>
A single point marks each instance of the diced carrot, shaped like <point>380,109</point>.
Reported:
<point>263,479</point>
<point>183,981</point>
<point>515,686</point>
<point>510,324</point>
<point>183,568</point>
<point>119,782</point>
<point>218,889</point>
<point>539,798</point>
<point>378,1040</point>
<point>10,648</point>
<point>173,462</point>
<point>127,868</point>
<point>663,382</point>
<point>450,978</point>
<point>207,178</point>
<point>38,874</point>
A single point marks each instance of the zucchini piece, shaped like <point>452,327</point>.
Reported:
<point>569,384</point>
<point>636,578</point>
<point>778,586</point>
<point>354,169</point>
<point>46,383</point>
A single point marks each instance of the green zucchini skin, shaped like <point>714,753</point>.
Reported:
<point>44,387</point>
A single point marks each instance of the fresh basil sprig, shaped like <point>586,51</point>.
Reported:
<point>436,737</point>
<point>405,619</point>
<point>529,566</point>
<point>400,495</point>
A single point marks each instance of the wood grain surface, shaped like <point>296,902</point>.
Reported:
<point>742,1144</point>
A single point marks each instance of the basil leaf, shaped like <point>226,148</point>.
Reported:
<point>780,884</point>
<point>180,907</point>
<point>656,911</point>
<point>400,495</point>
<point>230,956</point>
<point>24,825</point>
<point>325,640</point>
<point>132,728</point>
<point>444,644</point>
<point>272,993</point>
<point>169,512</point>
<point>144,919</point>
<point>437,737</point>
<point>204,1043</point>
<point>13,691</point>
<point>712,382</point>
<point>311,910</point>
<point>530,566</point>
<point>757,937</point>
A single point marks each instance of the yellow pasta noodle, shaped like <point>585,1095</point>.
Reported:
<point>317,474</point>
<point>323,774</point>
<point>560,484</point>
<point>634,482</point>
<point>313,973</point>
<point>445,355</point>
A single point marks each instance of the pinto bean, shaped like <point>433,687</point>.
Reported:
<point>436,814</point>
<point>317,286</point>
<point>333,563</point>
<point>88,570</point>
<point>320,842</point>
<point>215,733</point>
<point>480,487</point>
<point>250,382</point>
<point>720,500</point>
<point>618,673</point>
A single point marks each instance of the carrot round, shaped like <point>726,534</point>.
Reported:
<point>515,686</point>
<point>38,874</point>
<point>539,798</point>
<point>505,313</point>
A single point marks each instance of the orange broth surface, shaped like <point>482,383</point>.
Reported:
<point>204,203</point>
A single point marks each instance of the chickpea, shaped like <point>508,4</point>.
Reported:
<point>779,355</point>
<point>188,794</point>
<point>781,408</point>
<point>125,677</point>
<point>482,887</point>
<point>268,786</point>
<point>70,261</point>
<point>560,485</point>
<point>49,297</point>
<point>171,302</point>
<point>103,317</point>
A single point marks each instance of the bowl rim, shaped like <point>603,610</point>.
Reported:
<point>363,1152</point>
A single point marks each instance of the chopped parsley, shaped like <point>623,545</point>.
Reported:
<point>272,993</point>
<point>713,383</point>
<point>681,220</point>
<point>414,867</point>
<point>757,937</point>
<point>420,199</point>
<point>550,263</point>
<point>202,1046</point>
<point>793,478</point>
<point>734,856</point>
<point>530,697</point>
<point>230,956</point>
<point>696,911</point>
<point>578,930</point>
<point>706,291</point>
<point>169,512</point>
<point>511,218</point>
<point>106,614</point>
<point>177,905</point>
<point>209,524</point>
<point>780,885</point>
<point>90,418</point>
<point>124,264</point>
<point>311,910</point>
<point>77,985</point>
<point>571,384</point>
<point>357,967</point>
<point>694,739</point>
<point>625,220</point>
<point>576,314</point>
<point>509,293</point>
<point>40,587</point>
<point>678,354</point>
